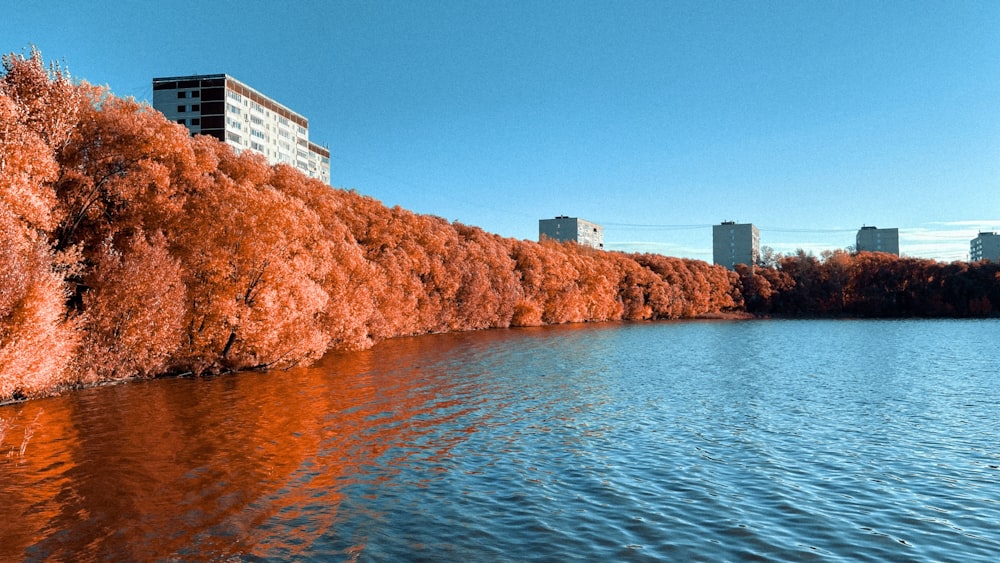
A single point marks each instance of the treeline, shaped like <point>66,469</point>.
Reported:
<point>870,284</point>
<point>130,249</point>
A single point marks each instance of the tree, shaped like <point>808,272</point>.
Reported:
<point>126,168</point>
<point>135,311</point>
<point>37,340</point>
<point>39,109</point>
<point>254,286</point>
<point>489,288</point>
<point>350,281</point>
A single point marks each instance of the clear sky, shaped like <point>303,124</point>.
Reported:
<point>655,119</point>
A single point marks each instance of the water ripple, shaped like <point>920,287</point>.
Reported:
<point>770,441</point>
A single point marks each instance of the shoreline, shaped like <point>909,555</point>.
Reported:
<point>726,316</point>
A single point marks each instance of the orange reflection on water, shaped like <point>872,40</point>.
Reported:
<point>34,458</point>
<point>249,464</point>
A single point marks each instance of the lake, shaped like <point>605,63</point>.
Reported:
<point>681,441</point>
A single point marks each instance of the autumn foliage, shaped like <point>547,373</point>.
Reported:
<point>131,249</point>
<point>871,284</point>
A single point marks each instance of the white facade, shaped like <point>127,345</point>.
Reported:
<point>986,246</point>
<point>225,108</point>
<point>873,239</point>
<point>735,243</point>
<point>564,228</point>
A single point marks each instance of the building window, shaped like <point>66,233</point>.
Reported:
<point>182,121</point>
<point>196,94</point>
<point>195,121</point>
<point>181,94</point>
<point>196,107</point>
<point>181,109</point>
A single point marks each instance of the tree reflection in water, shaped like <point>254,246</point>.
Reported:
<point>252,464</point>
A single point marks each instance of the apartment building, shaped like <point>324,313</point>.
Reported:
<point>986,246</point>
<point>873,239</point>
<point>735,243</point>
<point>229,110</point>
<point>564,228</point>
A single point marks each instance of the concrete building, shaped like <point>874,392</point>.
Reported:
<point>985,247</point>
<point>564,228</point>
<point>225,108</point>
<point>873,239</point>
<point>735,243</point>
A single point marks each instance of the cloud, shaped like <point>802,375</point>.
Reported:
<point>973,223</point>
<point>658,247</point>
<point>945,241</point>
<point>937,236</point>
<point>811,247</point>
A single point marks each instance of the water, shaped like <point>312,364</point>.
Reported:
<point>692,441</point>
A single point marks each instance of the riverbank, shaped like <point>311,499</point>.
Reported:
<point>68,388</point>
<point>135,249</point>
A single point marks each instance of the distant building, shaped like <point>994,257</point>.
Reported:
<point>564,228</point>
<point>985,247</point>
<point>873,239</point>
<point>735,243</point>
<point>225,108</point>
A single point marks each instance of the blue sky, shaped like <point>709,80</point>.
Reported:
<point>655,119</point>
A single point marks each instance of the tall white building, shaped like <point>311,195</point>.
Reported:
<point>986,246</point>
<point>564,228</point>
<point>225,108</point>
<point>735,243</point>
<point>873,239</point>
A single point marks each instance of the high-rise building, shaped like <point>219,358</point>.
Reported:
<point>564,228</point>
<point>873,239</point>
<point>735,243</point>
<point>225,108</point>
<point>986,246</point>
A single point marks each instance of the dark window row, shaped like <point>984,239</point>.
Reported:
<point>213,122</point>
<point>174,85</point>
<point>219,134</point>
<point>210,108</point>
<point>213,94</point>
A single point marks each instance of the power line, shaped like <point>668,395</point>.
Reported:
<point>664,227</point>
<point>799,230</point>
<point>654,227</point>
